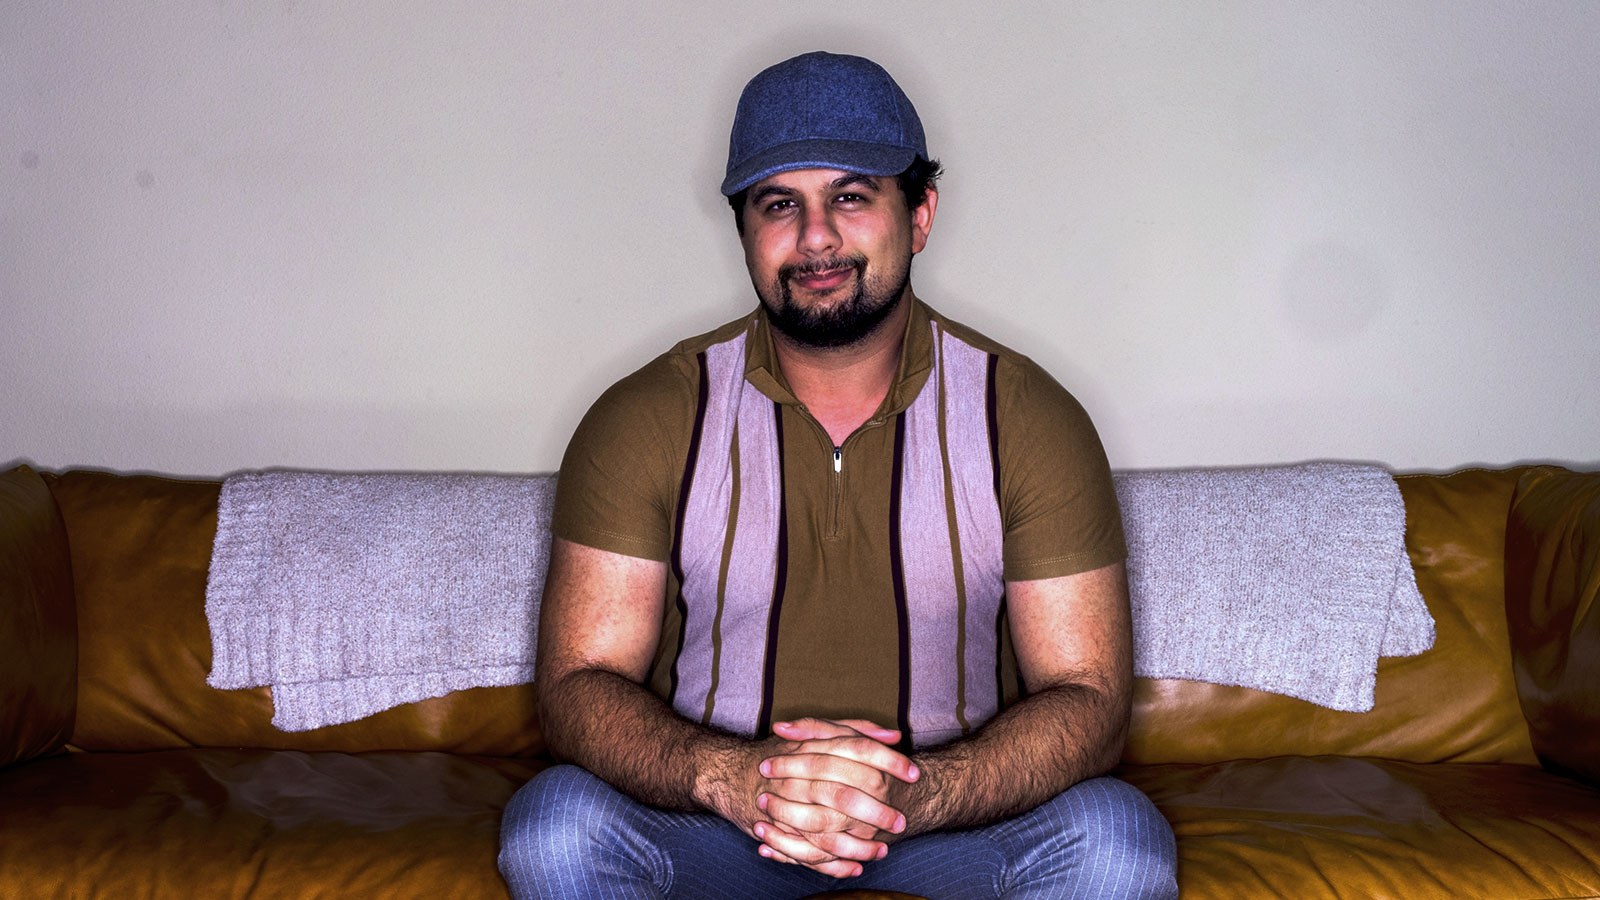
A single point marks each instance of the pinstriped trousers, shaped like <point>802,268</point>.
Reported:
<point>570,835</point>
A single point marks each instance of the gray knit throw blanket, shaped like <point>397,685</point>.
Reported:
<point>352,593</point>
<point>1292,579</point>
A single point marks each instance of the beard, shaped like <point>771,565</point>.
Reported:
<point>846,322</point>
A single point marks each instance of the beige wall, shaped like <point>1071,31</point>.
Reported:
<point>418,235</point>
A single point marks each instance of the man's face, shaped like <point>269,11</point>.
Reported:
<point>829,252</point>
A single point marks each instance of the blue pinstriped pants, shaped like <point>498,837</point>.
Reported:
<point>568,834</point>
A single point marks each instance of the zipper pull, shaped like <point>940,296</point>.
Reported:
<point>838,459</point>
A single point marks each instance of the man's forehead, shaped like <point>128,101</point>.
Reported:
<point>797,179</point>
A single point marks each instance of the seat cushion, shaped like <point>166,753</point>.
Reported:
<point>1310,827</point>
<point>256,823</point>
<point>262,824</point>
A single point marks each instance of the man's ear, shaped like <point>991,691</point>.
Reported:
<point>922,219</point>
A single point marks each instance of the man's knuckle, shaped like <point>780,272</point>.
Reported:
<point>853,800</point>
<point>835,794</point>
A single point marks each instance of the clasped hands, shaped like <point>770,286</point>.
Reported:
<point>833,795</point>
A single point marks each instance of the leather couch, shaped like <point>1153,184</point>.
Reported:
<point>124,775</point>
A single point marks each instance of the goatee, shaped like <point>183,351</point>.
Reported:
<point>844,323</point>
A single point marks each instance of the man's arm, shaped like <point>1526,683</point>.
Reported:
<point>1073,638</point>
<point>599,623</point>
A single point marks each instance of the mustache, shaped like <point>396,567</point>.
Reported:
<point>826,264</point>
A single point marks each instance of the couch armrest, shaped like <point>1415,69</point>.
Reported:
<point>38,621</point>
<point>1552,582</point>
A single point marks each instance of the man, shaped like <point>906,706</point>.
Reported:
<point>837,589</point>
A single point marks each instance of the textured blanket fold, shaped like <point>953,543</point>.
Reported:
<point>352,593</point>
<point>1291,579</point>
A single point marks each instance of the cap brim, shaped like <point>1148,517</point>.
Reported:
<point>848,156</point>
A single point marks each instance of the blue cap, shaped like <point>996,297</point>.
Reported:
<point>822,111</point>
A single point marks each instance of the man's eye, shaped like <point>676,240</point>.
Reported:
<point>779,205</point>
<point>851,198</point>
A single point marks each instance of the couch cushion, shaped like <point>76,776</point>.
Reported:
<point>38,624</point>
<point>1312,827</point>
<point>1456,702</point>
<point>1552,582</point>
<point>141,549</point>
<point>252,823</point>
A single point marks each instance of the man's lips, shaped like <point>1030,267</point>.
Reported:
<point>826,280</point>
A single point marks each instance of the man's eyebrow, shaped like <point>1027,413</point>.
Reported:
<point>770,190</point>
<point>852,179</point>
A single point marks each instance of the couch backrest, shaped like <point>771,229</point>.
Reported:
<point>141,547</point>
<point>1456,702</point>
<point>1553,608</point>
<point>37,621</point>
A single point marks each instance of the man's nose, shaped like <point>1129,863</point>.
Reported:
<point>817,232</point>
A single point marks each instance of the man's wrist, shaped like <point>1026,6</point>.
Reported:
<point>923,802</point>
<point>725,776</point>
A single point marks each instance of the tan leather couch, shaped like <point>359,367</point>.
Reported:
<point>126,776</point>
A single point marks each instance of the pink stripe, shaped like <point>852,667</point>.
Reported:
<point>705,523</point>
<point>927,562</point>
<point>738,419</point>
<point>978,524</point>
<point>752,568</point>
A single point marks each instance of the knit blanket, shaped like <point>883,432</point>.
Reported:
<point>349,594</point>
<point>1291,579</point>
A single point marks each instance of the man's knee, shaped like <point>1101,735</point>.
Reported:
<point>553,827</point>
<point>1121,842</point>
<point>555,799</point>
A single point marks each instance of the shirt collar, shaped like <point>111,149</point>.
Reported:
<point>761,367</point>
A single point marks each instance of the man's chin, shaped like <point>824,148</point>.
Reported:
<point>827,327</point>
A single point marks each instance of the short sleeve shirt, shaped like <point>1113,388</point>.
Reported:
<point>859,581</point>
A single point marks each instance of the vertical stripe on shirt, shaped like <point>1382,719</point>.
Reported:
<point>757,569</point>
<point>722,585</point>
<point>953,526</point>
<point>991,409</point>
<point>950,552</point>
<point>780,576</point>
<point>971,414</point>
<point>730,554</point>
<point>931,598</point>
<point>898,577</point>
<point>677,533</point>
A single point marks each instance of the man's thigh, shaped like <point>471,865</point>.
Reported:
<point>1099,838</point>
<point>569,834</point>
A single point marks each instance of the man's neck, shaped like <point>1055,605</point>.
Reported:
<point>843,386</point>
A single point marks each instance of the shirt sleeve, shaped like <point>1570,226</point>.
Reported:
<point>619,476</point>
<point>1058,504</point>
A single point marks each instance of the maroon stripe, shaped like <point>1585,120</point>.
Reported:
<point>897,573</point>
<point>683,508</point>
<point>780,578</point>
<point>999,657</point>
<point>992,413</point>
